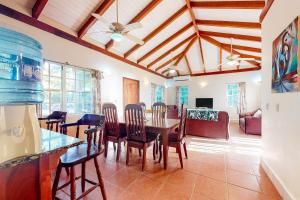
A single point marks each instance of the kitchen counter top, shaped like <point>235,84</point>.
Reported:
<point>16,150</point>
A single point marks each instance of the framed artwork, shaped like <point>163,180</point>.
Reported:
<point>285,60</point>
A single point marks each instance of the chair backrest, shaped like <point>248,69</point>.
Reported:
<point>89,120</point>
<point>134,119</point>
<point>94,135</point>
<point>58,115</point>
<point>159,110</point>
<point>182,124</point>
<point>143,105</point>
<point>111,119</point>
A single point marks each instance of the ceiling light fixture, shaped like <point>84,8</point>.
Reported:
<point>172,71</point>
<point>117,37</point>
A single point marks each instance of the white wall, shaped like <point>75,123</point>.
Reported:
<point>215,87</point>
<point>281,136</point>
<point>61,50</point>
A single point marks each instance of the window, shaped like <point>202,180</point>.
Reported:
<point>232,94</point>
<point>66,88</point>
<point>183,93</point>
<point>157,93</point>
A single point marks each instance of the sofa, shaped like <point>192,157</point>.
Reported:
<point>250,122</point>
<point>210,129</point>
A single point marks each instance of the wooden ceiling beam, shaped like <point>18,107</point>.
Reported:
<point>38,8</point>
<point>187,48</point>
<point>171,50</point>
<point>157,30</point>
<point>168,61</point>
<point>231,24</point>
<point>228,4</point>
<point>229,35</point>
<point>92,20</point>
<point>188,64</point>
<point>192,14</point>
<point>244,48</point>
<point>227,71</point>
<point>265,10</point>
<point>165,71</point>
<point>228,49</point>
<point>141,15</point>
<point>165,42</point>
<point>192,17</point>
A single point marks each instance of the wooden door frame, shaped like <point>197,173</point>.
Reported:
<point>125,78</point>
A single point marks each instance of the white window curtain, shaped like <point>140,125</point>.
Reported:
<point>97,76</point>
<point>242,103</point>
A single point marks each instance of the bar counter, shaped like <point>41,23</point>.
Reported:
<point>27,161</point>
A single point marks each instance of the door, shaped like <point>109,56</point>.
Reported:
<point>131,91</point>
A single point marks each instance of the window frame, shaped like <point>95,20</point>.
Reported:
<point>186,101</point>
<point>234,94</point>
<point>64,90</point>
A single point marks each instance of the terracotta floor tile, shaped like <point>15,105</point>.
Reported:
<point>211,188</point>
<point>244,180</point>
<point>267,186</point>
<point>198,196</point>
<point>145,187</point>
<point>238,193</point>
<point>239,166</point>
<point>212,171</point>
<point>182,178</point>
<point>124,177</point>
<point>173,192</point>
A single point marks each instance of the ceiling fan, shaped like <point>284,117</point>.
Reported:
<point>119,31</point>
<point>234,59</point>
<point>173,68</point>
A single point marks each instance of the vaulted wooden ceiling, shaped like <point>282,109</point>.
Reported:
<point>194,35</point>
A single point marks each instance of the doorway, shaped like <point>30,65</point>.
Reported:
<point>131,91</point>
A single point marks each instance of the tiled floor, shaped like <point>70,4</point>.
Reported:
<point>215,170</point>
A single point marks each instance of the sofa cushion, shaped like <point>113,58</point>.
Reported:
<point>257,114</point>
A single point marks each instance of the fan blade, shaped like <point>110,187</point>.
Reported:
<point>102,19</point>
<point>132,26</point>
<point>96,32</point>
<point>134,39</point>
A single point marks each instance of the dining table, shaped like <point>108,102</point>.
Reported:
<point>162,126</point>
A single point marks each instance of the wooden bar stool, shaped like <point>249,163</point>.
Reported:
<point>55,118</point>
<point>79,155</point>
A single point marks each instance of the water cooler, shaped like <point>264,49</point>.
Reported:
<point>20,90</point>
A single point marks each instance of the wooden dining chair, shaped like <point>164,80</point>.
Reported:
<point>177,138</point>
<point>81,154</point>
<point>158,115</point>
<point>159,110</point>
<point>136,132</point>
<point>56,118</point>
<point>113,133</point>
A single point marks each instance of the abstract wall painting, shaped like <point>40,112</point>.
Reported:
<point>285,60</point>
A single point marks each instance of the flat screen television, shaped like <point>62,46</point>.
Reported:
<point>205,102</point>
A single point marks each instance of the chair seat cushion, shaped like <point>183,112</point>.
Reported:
<point>173,137</point>
<point>150,137</point>
<point>78,154</point>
